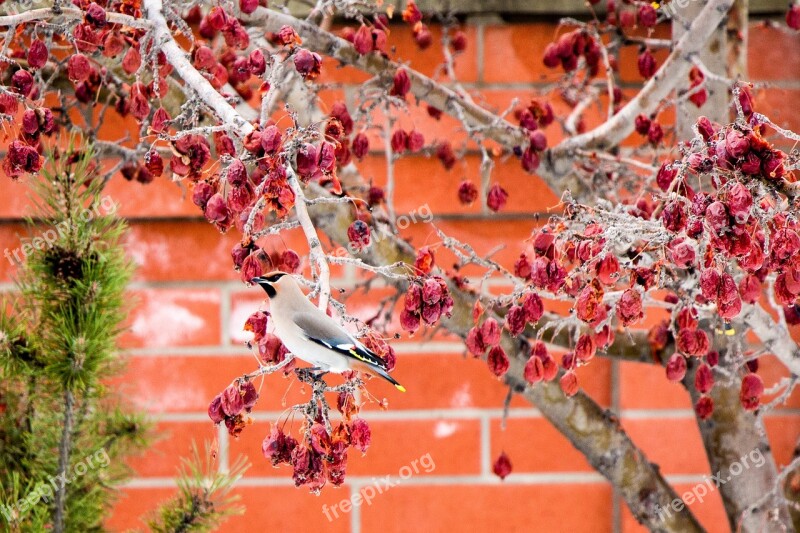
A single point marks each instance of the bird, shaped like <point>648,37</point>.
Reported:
<point>313,336</point>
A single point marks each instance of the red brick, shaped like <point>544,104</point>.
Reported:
<point>162,198</point>
<point>453,444</point>
<point>645,386</point>
<point>271,508</point>
<point>172,442</point>
<point>134,506</point>
<point>443,381</point>
<point>287,509</point>
<point>334,72</point>
<point>167,251</point>
<point>173,317</point>
<point>428,62</point>
<point>772,371</point>
<point>681,453</point>
<point>185,383</point>
<point>500,507</point>
<point>188,250</point>
<point>535,445</point>
<point>769,53</point>
<point>10,239</point>
<point>783,433</point>
<point>513,53</point>
<point>776,104</point>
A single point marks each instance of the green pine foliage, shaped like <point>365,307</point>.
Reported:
<point>64,433</point>
<point>204,498</point>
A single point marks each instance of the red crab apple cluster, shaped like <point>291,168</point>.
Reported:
<point>569,48</point>
<point>736,219</point>
<point>628,15</point>
<point>536,115</point>
<point>650,128</point>
<point>233,405</point>
<point>487,335</point>
<point>321,456</point>
<point>271,350</point>
<point>426,301</point>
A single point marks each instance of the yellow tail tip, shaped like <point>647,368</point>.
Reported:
<point>400,388</point>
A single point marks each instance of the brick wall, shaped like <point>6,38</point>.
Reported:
<point>185,344</point>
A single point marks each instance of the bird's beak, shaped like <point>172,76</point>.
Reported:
<point>258,280</point>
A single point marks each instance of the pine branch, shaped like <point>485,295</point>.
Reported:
<point>204,500</point>
<point>64,453</point>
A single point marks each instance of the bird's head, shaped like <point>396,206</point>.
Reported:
<point>275,282</point>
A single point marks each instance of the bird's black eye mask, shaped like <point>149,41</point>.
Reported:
<point>275,277</point>
<point>271,292</point>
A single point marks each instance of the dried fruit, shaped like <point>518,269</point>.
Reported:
<point>751,391</point>
<point>502,466</point>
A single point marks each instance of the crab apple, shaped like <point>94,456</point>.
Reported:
<point>446,155</point>
<point>22,82</point>
<point>502,466</point>
<point>516,319</point>
<point>647,64</point>
<point>703,379</point>
<point>422,36</point>
<point>359,235</point>
<point>704,407</point>
<point>642,124</point>
<point>498,361</point>
<point>647,15</point>
<point>362,40</point>
<point>21,158</point>
<point>793,16</point>
<point>467,192</point>
<point>569,383</point>
<point>401,83</point>
<point>751,390</point>
<point>37,54</point>
<point>676,367</point>
<point>307,64</point>
<point>629,307</point>
<point>459,41</point>
<point>497,198</point>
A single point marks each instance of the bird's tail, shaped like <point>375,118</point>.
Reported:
<point>378,371</point>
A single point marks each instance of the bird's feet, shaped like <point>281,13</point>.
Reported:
<point>310,375</point>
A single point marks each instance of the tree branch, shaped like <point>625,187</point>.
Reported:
<point>64,452</point>
<point>674,69</point>
<point>611,452</point>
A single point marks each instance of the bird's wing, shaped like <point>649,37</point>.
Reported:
<point>322,329</point>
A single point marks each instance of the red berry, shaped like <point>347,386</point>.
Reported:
<point>497,198</point>
<point>793,17</point>
<point>467,192</point>
<point>502,466</point>
<point>37,54</point>
<point>359,235</point>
